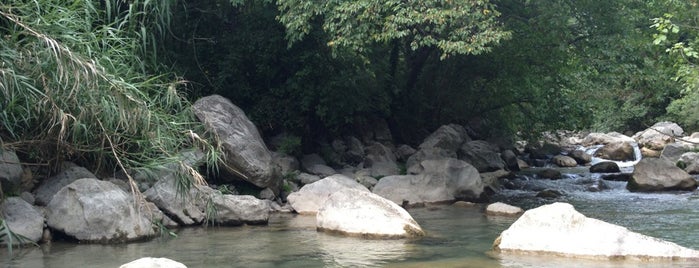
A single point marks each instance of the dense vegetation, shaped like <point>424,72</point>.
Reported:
<point>108,83</point>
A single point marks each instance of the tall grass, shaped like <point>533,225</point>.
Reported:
<point>80,80</point>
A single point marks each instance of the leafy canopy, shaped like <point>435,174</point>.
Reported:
<point>453,26</point>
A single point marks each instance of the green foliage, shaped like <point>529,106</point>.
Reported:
<point>82,82</point>
<point>456,27</point>
<point>291,145</point>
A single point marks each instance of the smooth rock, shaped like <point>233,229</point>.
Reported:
<point>658,135</point>
<point>618,151</point>
<point>149,262</point>
<point>581,157</point>
<point>558,229</point>
<point>605,167</point>
<point>23,219</point>
<point>447,137</point>
<point>658,174</point>
<point>502,209</point>
<point>69,173</point>
<point>439,181</point>
<point>596,138</point>
<point>360,213</point>
<point>564,161</point>
<point>188,207</point>
<point>510,159</point>
<point>98,211</point>
<point>234,210</point>
<point>311,197</point>
<point>482,155</point>
<point>10,171</point>
<point>673,151</point>
<point>381,160</point>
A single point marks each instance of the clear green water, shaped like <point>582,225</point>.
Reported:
<point>457,236</point>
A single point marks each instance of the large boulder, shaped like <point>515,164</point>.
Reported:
<point>187,207</point>
<point>69,173</point>
<point>312,196</point>
<point>581,157</point>
<point>360,213</point>
<point>673,151</point>
<point>564,161</point>
<point>98,211</point>
<point>23,219</point>
<point>558,229</point>
<point>427,154</point>
<point>448,137</point>
<point>233,210</point>
<point>10,171</point>
<point>439,181</point>
<point>482,155</point>
<point>597,138</point>
<point>314,164</point>
<point>150,262</point>
<point>381,160</point>
<point>658,174</point>
<point>690,161</point>
<point>658,135</point>
<point>510,159</point>
<point>247,155</point>
<point>618,151</point>
<point>605,167</point>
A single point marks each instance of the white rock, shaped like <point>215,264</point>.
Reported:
<point>502,209</point>
<point>312,196</point>
<point>360,213</point>
<point>150,262</point>
<point>559,229</point>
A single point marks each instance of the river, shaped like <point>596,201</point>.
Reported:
<point>456,236</point>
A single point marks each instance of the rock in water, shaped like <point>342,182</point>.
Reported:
<point>98,211</point>
<point>659,174</point>
<point>149,262</point>
<point>360,213</point>
<point>560,230</point>
<point>312,196</point>
<point>22,219</point>
<point>502,209</point>
<point>247,155</point>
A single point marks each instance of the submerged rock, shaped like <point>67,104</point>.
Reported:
<point>659,174</point>
<point>560,230</point>
<point>359,213</point>
<point>502,209</point>
<point>550,173</point>
<point>149,262</point>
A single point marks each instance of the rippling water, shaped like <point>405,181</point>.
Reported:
<point>456,236</point>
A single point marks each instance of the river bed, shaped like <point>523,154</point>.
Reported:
<point>456,236</point>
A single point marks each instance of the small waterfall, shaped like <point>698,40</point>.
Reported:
<point>622,164</point>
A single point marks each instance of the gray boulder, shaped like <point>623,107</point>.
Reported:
<point>448,137</point>
<point>23,219</point>
<point>558,229</point>
<point>510,159</point>
<point>360,213</point>
<point>581,157</point>
<point>69,173</point>
<point>439,181</point>
<point>314,164</point>
<point>404,151</point>
<point>482,155</point>
<point>98,211</point>
<point>427,154</point>
<point>596,138</point>
<point>605,167</point>
<point>381,160</point>
<point>286,163</point>
<point>658,135</point>
<point>247,155</point>
<point>186,207</point>
<point>10,171</point>
<point>658,174</point>
<point>673,151</point>
<point>690,161</point>
<point>622,151</point>
<point>312,196</point>
<point>234,210</point>
<point>564,161</point>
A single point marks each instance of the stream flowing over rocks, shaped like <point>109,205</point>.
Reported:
<point>366,186</point>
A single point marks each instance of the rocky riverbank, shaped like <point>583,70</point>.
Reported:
<point>358,174</point>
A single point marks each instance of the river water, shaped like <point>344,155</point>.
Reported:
<point>456,236</point>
